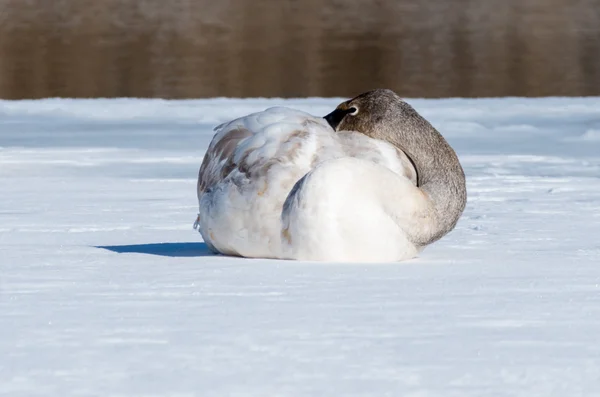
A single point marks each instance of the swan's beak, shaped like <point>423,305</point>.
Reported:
<point>335,118</point>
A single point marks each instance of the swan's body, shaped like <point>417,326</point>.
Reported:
<point>253,163</point>
<point>284,184</point>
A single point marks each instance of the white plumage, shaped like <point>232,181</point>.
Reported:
<point>282,183</point>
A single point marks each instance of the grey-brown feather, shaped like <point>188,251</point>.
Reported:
<point>220,155</point>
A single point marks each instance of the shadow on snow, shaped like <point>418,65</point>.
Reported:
<point>162,249</point>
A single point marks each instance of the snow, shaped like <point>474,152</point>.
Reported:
<point>106,290</point>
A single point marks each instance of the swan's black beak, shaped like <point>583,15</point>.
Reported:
<point>335,118</point>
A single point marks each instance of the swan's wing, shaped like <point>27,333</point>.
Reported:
<point>249,169</point>
<point>246,143</point>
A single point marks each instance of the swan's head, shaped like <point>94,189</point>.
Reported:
<point>370,113</point>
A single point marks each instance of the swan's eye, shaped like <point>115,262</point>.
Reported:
<point>352,111</point>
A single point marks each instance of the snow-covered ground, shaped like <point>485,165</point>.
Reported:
<point>105,289</point>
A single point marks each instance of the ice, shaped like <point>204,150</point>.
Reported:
<point>105,288</point>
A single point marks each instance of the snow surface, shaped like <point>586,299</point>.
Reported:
<point>105,289</point>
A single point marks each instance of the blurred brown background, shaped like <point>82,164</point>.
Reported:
<point>292,48</point>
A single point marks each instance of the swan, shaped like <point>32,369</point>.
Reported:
<point>372,181</point>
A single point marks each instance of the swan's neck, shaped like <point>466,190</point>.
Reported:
<point>440,177</point>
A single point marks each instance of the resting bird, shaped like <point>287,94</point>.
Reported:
<point>373,181</point>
